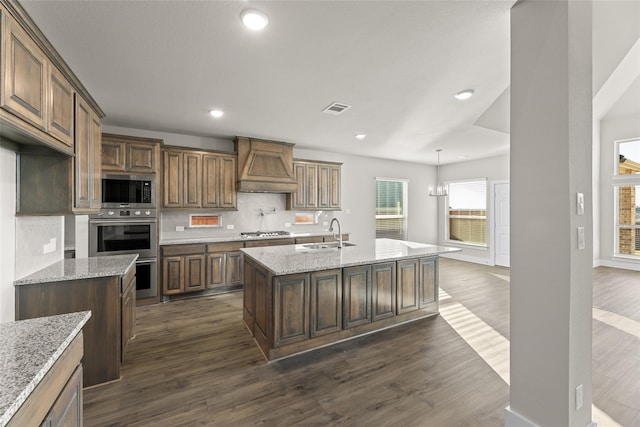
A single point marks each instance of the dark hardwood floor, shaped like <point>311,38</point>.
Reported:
<point>194,363</point>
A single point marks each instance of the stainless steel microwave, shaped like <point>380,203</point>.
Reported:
<point>128,191</point>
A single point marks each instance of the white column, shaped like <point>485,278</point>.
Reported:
<point>551,278</point>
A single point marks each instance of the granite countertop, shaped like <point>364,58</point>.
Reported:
<point>80,268</point>
<point>238,238</point>
<point>29,349</point>
<point>290,259</point>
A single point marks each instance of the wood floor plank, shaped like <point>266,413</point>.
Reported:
<point>194,363</point>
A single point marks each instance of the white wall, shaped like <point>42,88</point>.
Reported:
<point>7,233</point>
<point>610,131</point>
<point>492,169</point>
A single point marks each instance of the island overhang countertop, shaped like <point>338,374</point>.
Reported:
<point>292,259</point>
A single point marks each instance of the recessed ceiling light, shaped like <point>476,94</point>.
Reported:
<point>361,135</point>
<point>216,113</point>
<point>254,19</point>
<point>464,94</point>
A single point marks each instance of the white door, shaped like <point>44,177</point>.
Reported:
<point>501,223</point>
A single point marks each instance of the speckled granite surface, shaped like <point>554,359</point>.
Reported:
<point>80,268</point>
<point>236,238</point>
<point>290,259</point>
<point>29,349</point>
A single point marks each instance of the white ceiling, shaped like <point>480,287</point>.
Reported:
<point>162,65</point>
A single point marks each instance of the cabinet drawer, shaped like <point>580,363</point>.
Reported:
<point>224,247</point>
<point>174,250</point>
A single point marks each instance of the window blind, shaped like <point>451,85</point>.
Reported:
<point>391,199</point>
<point>467,212</point>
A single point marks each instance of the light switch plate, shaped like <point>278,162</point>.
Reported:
<point>581,243</point>
<point>580,203</point>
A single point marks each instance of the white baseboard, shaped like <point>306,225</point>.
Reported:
<point>462,257</point>
<point>634,266</point>
<point>513,419</point>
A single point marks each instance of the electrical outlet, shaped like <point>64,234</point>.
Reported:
<point>50,247</point>
<point>348,211</point>
<point>179,228</point>
<point>287,224</point>
<point>579,397</point>
<point>230,226</point>
<point>325,223</point>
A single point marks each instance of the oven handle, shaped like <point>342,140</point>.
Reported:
<point>123,221</point>
<point>146,261</point>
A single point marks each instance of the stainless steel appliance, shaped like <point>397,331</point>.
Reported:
<point>128,191</point>
<point>128,231</point>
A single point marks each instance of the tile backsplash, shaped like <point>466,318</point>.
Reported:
<point>39,243</point>
<point>256,211</point>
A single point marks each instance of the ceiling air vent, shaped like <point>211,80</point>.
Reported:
<point>336,108</point>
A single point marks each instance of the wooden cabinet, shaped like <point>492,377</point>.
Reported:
<point>87,162</point>
<point>326,302</point>
<point>67,409</point>
<point>128,308</point>
<point>195,179</point>
<point>183,269</point>
<point>383,286</point>
<point>318,186</point>
<point>290,308</point>
<point>60,103</point>
<point>408,286</point>
<point>357,295</point>
<point>121,153</point>
<point>248,298</point>
<point>224,265</point>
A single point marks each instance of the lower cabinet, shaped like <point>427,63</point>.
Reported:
<point>297,312</point>
<point>183,269</point>
<point>67,409</point>
<point>224,265</point>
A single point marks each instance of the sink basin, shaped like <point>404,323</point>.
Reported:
<point>326,245</point>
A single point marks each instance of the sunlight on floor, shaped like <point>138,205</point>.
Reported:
<point>630,326</point>
<point>494,348</point>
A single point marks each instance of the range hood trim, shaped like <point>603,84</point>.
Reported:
<point>264,166</point>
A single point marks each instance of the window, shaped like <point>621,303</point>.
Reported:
<point>467,212</point>
<point>391,208</point>
<point>627,199</point>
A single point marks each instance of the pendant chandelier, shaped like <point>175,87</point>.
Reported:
<point>439,189</point>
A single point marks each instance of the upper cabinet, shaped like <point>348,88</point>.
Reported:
<point>198,179</point>
<point>37,88</point>
<point>88,188</point>
<point>318,186</point>
<point>130,154</point>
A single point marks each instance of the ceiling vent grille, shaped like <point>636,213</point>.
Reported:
<point>336,108</point>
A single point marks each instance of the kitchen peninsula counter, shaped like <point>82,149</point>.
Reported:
<point>37,354</point>
<point>300,297</point>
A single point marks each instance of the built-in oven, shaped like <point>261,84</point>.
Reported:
<point>128,191</point>
<point>128,231</point>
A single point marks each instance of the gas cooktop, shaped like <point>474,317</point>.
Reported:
<point>260,234</point>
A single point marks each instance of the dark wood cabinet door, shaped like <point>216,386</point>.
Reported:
<point>323,186</point>
<point>233,268</point>
<point>216,267</point>
<point>83,155</point>
<point>311,186</point>
<point>24,75</point>
<point>383,284</point>
<point>408,285</point>
<point>334,187</point>
<point>172,275</point>
<point>326,302</point>
<point>298,199</point>
<point>67,409</point>
<point>61,103</point>
<point>113,156</point>
<point>210,181</point>
<point>95,162</point>
<point>357,296</point>
<point>248,301</point>
<point>192,180</point>
<point>262,295</point>
<point>141,158</point>
<point>194,273</point>
<point>291,309</point>
<point>172,166</point>
<point>228,172</point>
<point>428,281</point>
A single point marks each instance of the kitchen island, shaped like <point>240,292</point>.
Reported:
<point>301,297</point>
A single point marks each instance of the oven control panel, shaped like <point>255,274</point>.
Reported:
<point>125,213</point>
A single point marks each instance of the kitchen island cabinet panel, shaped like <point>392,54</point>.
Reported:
<point>67,409</point>
<point>248,299</point>
<point>383,284</point>
<point>262,295</point>
<point>291,309</point>
<point>326,302</point>
<point>428,281</point>
<point>357,296</point>
<point>408,286</point>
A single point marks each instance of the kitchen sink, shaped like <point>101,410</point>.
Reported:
<point>326,245</point>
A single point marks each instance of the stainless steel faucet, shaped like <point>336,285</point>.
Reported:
<point>339,231</point>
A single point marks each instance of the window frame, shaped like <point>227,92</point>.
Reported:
<point>472,245</point>
<point>405,204</point>
<point>618,180</point>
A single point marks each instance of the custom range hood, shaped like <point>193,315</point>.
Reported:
<point>264,166</point>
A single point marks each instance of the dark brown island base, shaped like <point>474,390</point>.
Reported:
<point>301,297</point>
